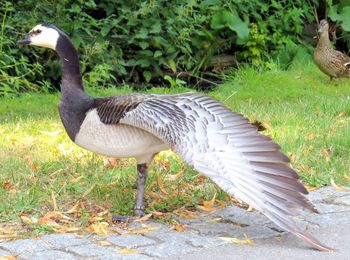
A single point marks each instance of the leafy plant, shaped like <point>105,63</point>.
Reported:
<point>142,41</point>
<point>16,72</point>
<point>174,82</point>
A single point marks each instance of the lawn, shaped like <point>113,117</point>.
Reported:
<point>41,170</point>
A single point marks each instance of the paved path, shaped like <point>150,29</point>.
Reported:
<point>201,238</point>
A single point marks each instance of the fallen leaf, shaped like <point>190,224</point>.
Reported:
<point>74,208</point>
<point>208,205</point>
<point>145,217</point>
<point>54,219</point>
<point>128,251</point>
<point>111,162</point>
<point>304,169</point>
<point>326,153</point>
<point>337,187</point>
<point>145,229</point>
<point>215,220</point>
<point>8,237</point>
<point>312,188</point>
<point>95,219</point>
<point>174,177</point>
<point>8,257</point>
<point>8,185</point>
<point>184,213</point>
<point>98,228</point>
<point>26,220</point>
<point>103,243</point>
<point>161,184</point>
<point>179,228</point>
<point>346,177</point>
<point>250,208</point>
<point>341,114</point>
<point>31,165</point>
<point>245,241</point>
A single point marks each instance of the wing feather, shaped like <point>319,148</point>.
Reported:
<point>225,147</point>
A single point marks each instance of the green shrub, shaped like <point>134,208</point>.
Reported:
<point>139,41</point>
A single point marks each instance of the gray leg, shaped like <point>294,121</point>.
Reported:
<point>141,181</point>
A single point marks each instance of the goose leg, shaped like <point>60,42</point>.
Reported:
<point>141,181</point>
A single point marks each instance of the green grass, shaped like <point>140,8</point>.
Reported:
<point>305,114</point>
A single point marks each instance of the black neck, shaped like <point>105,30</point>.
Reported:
<point>71,76</point>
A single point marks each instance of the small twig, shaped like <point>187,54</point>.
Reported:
<point>197,77</point>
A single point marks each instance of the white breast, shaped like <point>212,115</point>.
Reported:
<point>117,140</point>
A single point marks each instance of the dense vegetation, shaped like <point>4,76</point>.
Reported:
<point>149,41</point>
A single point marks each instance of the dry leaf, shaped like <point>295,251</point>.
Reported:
<point>95,219</point>
<point>145,229</point>
<point>52,218</point>
<point>111,162</point>
<point>8,237</point>
<point>245,241</point>
<point>174,177</point>
<point>184,213</point>
<point>312,188</point>
<point>215,220</point>
<point>326,153</point>
<point>250,208</point>
<point>161,184</point>
<point>6,230</point>
<point>8,257</point>
<point>145,217</point>
<point>179,228</point>
<point>346,177</point>
<point>98,228</point>
<point>128,251</point>
<point>341,114</point>
<point>31,165</point>
<point>8,185</point>
<point>103,243</point>
<point>26,220</point>
<point>74,208</point>
<point>337,187</point>
<point>208,205</point>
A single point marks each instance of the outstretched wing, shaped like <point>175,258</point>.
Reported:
<point>225,147</point>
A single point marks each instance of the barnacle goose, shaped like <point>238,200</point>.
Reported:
<point>217,142</point>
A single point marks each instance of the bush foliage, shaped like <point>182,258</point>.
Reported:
<point>140,41</point>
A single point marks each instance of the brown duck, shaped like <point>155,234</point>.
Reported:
<point>330,61</point>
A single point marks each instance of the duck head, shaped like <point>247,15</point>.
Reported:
<point>323,27</point>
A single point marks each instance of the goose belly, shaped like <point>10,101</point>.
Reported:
<point>117,140</point>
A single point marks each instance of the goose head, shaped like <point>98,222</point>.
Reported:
<point>43,36</point>
<point>323,27</point>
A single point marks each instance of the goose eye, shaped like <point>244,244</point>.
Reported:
<point>38,31</point>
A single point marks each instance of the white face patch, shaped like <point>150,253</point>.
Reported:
<point>43,37</point>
